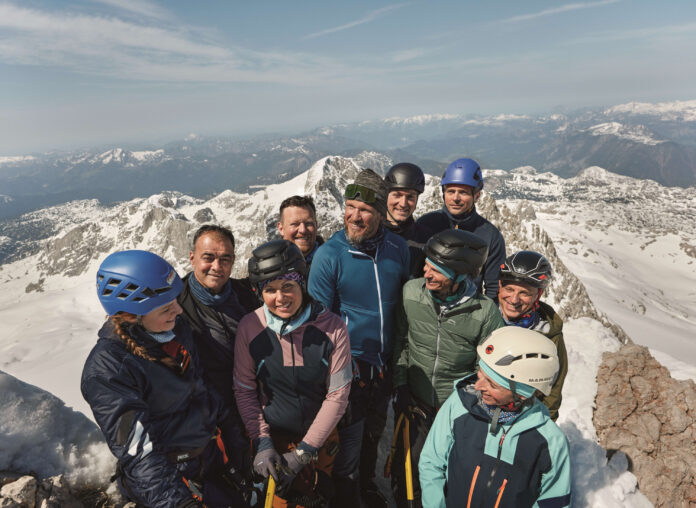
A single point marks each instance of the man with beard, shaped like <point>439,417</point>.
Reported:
<point>405,182</point>
<point>213,304</point>
<point>358,274</point>
<point>298,224</point>
<point>461,185</point>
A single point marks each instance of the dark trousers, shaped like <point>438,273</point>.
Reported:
<point>420,422</point>
<point>360,431</point>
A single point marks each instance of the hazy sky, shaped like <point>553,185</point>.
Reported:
<point>86,72</point>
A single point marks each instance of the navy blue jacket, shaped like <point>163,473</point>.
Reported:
<point>363,290</point>
<point>434,222</point>
<point>147,410</point>
<point>413,233</point>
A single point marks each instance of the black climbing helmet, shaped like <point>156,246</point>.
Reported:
<point>528,267</point>
<point>405,175</point>
<point>460,251</point>
<point>273,259</point>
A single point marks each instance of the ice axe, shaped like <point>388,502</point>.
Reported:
<point>407,463</point>
<point>388,463</point>
<point>270,492</point>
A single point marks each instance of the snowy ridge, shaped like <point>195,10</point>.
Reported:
<point>635,133</point>
<point>675,110</point>
<point>16,159</point>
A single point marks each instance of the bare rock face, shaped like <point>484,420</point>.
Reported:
<point>644,413</point>
<point>28,492</point>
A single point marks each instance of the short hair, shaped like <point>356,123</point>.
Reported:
<point>214,229</point>
<point>301,201</point>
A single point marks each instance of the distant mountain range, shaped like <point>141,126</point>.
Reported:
<point>655,141</point>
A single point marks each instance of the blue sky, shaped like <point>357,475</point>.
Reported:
<point>139,72</point>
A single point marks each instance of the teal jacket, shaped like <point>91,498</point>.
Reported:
<point>524,464</point>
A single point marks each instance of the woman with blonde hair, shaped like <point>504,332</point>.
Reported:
<point>145,387</point>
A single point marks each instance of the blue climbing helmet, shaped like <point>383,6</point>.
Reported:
<point>463,172</point>
<point>136,281</point>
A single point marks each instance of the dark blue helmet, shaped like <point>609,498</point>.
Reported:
<point>463,172</point>
<point>136,281</point>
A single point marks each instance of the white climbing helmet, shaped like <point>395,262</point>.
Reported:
<point>521,357</point>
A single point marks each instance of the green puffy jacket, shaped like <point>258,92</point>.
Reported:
<point>551,325</point>
<point>436,346</point>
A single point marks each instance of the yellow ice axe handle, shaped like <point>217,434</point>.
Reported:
<point>407,462</point>
<point>270,492</point>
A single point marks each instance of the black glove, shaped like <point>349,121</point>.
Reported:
<point>402,400</point>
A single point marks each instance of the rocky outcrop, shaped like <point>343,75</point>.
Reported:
<point>28,492</point>
<point>651,417</point>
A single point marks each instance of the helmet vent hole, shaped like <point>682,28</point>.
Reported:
<point>122,296</point>
<point>113,282</point>
<point>131,287</point>
<point>138,299</point>
<point>159,291</point>
<point>533,355</point>
<point>107,292</point>
<point>100,278</point>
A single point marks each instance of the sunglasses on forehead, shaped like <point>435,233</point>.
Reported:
<point>366,195</point>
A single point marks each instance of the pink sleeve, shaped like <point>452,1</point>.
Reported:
<point>337,383</point>
<point>245,387</point>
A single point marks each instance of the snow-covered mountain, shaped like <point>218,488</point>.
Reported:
<point>622,251</point>
<point>642,140</point>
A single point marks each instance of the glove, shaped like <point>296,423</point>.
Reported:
<point>267,459</point>
<point>291,464</point>
<point>402,401</point>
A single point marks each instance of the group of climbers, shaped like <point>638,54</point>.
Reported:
<point>208,388</point>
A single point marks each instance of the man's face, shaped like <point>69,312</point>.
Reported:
<point>360,220</point>
<point>212,258</point>
<point>401,203</point>
<point>298,225</point>
<point>516,299</point>
<point>460,199</point>
<point>436,281</point>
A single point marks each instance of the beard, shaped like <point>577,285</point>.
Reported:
<point>355,239</point>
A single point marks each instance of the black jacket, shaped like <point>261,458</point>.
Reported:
<point>437,221</point>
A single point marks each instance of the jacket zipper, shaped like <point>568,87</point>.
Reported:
<point>437,357</point>
<point>495,467</point>
<point>379,296</point>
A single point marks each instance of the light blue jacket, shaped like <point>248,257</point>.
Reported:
<point>524,464</point>
<point>364,291</point>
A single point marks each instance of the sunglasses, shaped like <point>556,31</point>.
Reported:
<point>366,195</point>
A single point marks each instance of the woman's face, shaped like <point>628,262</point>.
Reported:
<point>282,297</point>
<point>491,392</point>
<point>162,319</point>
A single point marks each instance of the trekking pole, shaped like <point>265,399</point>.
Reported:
<point>388,463</point>
<point>270,492</point>
<point>407,464</point>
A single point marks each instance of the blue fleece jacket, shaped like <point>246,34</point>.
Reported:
<point>363,290</point>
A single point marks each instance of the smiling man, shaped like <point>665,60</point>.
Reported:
<point>442,320</point>
<point>462,184</point>
<point>523,279</point>
<point>213,304</point>
<point>406,182</point>
<point>358,274</point>
<point>298,224</point>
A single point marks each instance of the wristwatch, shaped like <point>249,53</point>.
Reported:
<point>305,456</point>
